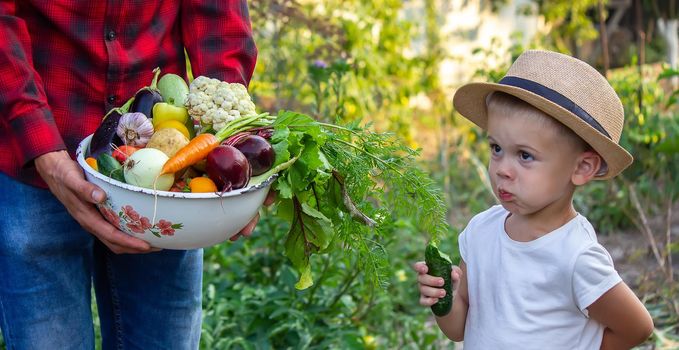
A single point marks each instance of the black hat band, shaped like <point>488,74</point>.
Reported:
<point>555,97</point>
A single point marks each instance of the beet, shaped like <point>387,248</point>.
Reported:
<point>228,168</point>
<point>258,151</point>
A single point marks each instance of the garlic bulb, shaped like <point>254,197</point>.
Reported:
<point>134,129</point>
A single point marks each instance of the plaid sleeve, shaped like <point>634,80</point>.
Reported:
<point>23,105</point>
<point>218,38</point>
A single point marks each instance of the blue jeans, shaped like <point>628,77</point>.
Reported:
<point>48,265</point>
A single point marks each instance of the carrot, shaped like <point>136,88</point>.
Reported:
<point>199,147</point>
<point>195,151</point>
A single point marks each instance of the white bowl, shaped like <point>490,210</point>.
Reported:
<point>175,220</point>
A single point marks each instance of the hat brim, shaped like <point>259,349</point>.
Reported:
<point>470,101</point>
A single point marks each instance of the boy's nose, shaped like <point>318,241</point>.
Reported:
<point>503,170</point>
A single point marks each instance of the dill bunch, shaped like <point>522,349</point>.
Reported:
<point>341,187</point>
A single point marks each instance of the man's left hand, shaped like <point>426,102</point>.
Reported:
<point>247,230</point>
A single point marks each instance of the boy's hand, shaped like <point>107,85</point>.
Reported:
<point>431,288</point>
<point>431,291</point>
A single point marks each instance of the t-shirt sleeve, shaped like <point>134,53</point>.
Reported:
<point>462,243</point>
<point>593,276</point>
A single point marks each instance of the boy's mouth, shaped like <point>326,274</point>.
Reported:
<point>504,195</point>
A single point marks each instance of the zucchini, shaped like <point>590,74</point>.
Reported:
<point>440,265</point>
<point>110,167</point>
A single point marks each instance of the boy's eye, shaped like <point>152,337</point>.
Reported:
<point>495,149</point>
<point>525,155</point>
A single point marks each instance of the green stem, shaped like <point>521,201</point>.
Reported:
<point>329,126</point>
<point>390,166</point>
<point>238,125</point>
<point>122,109</point>
<point>326,265</point>
<point>333,126</point>
<point>126,107</point>
<point>362,310</point>
<point>154,82</point>
<point>345,286</point>
<point>318,203</point>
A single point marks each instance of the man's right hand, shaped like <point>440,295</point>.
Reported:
<point>66,181</point>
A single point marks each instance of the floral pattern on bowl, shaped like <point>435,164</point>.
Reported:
<point>128,221</point>
<point>188,220</point>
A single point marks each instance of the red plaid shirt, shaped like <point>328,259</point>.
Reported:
<point>64,63</point>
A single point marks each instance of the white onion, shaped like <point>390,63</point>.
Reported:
<point>142,168</point>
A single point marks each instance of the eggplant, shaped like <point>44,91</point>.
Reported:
<point>147,96</point>
<point>105,137</point>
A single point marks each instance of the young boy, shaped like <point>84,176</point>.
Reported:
<point>533,275</point>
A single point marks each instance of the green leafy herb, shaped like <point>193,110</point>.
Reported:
<point>339,186</point>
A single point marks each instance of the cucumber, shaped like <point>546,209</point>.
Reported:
<point>110,167</point>
<point>440,265</point>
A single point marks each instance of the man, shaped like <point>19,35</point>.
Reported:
<point>63,64</point>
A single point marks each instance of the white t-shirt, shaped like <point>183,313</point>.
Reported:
<point>533,295</point>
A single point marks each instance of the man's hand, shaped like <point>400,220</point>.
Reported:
<point>66,181</point>
<point>247,230</point>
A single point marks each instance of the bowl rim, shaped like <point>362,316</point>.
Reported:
<point>87,168</point>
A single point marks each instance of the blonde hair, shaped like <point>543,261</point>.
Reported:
<point>506,104</point>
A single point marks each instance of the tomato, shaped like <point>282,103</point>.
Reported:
<point>92,162</point>
<point>121,153</point>
<point>202,185</point>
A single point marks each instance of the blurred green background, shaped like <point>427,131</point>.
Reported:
<point>396,64</point>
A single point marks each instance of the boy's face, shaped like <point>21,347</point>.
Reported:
<point>531,163</point>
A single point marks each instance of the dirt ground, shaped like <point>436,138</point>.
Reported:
<point>632,256</point>
<point>631,251</point>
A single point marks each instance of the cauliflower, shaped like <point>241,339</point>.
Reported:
<point>214,103</point>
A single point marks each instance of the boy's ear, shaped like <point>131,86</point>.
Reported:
<point>587,166</point>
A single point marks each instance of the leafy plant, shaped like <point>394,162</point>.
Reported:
<point>349,73</point>
<point>345,182</point>
<point>250,300</point>
<point>651,184</point>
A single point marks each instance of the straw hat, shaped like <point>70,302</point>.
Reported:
<point>567,89</point>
